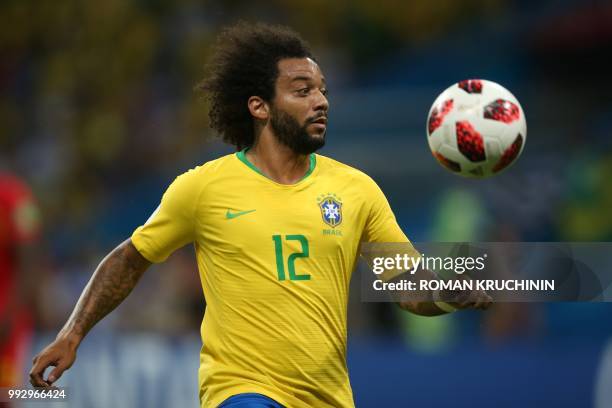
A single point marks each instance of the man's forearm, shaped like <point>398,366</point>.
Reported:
<point>110,284</point>
<point>434,303</point>
<point>422,308</point>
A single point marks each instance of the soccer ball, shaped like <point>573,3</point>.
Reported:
<point>476,128</point>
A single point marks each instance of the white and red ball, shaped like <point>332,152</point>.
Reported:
<point>476,128</point>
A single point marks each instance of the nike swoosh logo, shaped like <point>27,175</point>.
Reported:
<point>229,215</point>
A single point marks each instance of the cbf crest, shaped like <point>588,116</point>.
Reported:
<point>331,209</point>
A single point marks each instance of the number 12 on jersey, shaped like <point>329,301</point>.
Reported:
<point>280,262</point>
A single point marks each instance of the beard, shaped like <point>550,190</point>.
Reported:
<point>290,133</point>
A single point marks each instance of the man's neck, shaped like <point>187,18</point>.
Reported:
<point>276,161</point>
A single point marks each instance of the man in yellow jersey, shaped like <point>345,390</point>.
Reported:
<point>276,230</point>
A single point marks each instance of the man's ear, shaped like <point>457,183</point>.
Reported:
<point>259,108</point>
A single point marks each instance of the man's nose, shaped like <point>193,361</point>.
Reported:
<point>321,102</point>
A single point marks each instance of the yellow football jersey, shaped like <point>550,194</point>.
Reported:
<point>275,263</point>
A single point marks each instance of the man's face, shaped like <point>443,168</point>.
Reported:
<point>299,109</point>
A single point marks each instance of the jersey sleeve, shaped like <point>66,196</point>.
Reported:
<point>172,224</point>
<point>381,225</point>
<point>381,228</point>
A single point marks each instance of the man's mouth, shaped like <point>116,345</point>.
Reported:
<point>320,121</point>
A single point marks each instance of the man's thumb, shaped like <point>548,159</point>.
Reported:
<point>56,373</point>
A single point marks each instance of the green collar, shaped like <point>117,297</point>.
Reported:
<point>242,157</point>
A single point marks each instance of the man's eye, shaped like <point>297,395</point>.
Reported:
<point>324,91</point>
<point>304,91</point>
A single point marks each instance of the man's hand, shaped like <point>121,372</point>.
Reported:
<point>449,302</point>
<point>59,354</point>
<point>474,299</point>
<point>110,284</point>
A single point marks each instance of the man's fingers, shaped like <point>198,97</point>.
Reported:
<point>57,372</point>
<point>463,300</point>
<point>37,381</point>
<point>484,301</point>
<point>41,363</point>
<point>487,302</point>
<point>480,304</point>
<point>37,371</point>
<point>472,300</point>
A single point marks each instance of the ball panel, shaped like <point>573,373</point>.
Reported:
<point>437,115</point>
<point>469,141</point>
<point>493,150</point>
<point>446,162</point>
<point>510,154</point>
<point>471,85</point>
<point>502,110</point>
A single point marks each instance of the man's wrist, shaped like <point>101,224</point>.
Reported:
<point>441,304</point>
<point>445,307</point>
<point>71,337</point>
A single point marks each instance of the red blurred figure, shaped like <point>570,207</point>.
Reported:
<point>19,228</point>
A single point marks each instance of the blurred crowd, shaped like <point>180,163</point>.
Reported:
<point>98,113</point>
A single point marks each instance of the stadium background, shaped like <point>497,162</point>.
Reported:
<point>98,114</point>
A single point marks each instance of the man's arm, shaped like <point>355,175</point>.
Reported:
<point>434,306</point>
<point>473,300</point>
<point>422,308</point>
<point>110,284</point>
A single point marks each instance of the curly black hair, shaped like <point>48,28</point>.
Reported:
<point>245,64</point>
